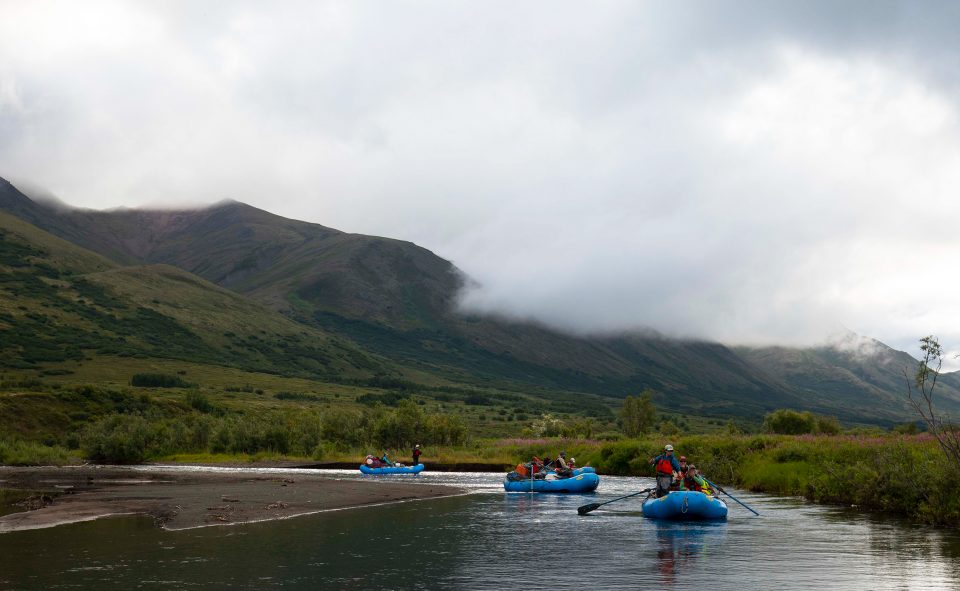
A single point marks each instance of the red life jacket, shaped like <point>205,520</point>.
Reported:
<point>664,466</point>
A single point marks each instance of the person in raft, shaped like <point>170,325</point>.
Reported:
<point>416,454</point>
<point>692,480</point>
<point>667,468</point>
<point>532,469</point>
<point>538,467</point>
<point>386,461</point>
<point>560,465</point>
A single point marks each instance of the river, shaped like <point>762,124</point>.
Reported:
<point>493,540</point>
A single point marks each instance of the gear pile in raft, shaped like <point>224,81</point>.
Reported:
<point>681,492</point>
<point>559,476</point>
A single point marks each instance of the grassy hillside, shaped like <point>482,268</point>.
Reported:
<point>76,330</point>
<point>61,303</point>
<point>857,373</point>
<point>392,306</point>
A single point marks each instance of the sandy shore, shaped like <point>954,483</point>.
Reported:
<point>186,500</point>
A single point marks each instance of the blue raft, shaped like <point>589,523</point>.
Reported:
<point>685,505</point>
<point>392,470</point>
<point>584,480</point>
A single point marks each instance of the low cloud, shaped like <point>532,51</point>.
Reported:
<point>722,171</point>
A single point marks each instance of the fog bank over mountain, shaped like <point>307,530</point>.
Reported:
<point>739,172</point>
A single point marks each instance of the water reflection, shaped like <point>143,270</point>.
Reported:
<point>493,540</point>
<point>680,544</point>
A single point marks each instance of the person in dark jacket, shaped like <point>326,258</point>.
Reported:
<point>561,467</point>
<point>667,468</point>
<point>416,454</point>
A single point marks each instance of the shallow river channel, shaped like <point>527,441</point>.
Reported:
<point>494,540</point>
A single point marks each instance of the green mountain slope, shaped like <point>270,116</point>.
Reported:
<point>60,302</point>
<point>396,300</point>
<point>855,373</point>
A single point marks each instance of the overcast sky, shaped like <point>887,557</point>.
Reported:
<point>750,172</point>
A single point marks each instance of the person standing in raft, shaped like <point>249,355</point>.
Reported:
<point>416,454</point>
<point>667,468</point>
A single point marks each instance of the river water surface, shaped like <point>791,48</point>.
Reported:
<point>494,540</point>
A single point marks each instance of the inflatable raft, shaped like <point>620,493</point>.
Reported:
<point>685,505</point>
<point>392,470</point>
<point>584,480</point>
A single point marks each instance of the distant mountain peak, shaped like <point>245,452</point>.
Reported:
<point>859,346</point>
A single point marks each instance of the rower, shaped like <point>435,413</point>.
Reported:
<point>667,468</point>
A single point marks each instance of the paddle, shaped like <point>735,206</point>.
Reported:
<point>588,508</point>
<point>717,486</point>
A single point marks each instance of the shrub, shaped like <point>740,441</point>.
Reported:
<point>159,380</point>
<point>386,399</point>
<point>199,401</point>
<point>15,452</point>
<point>445,430</point>
<point>401,428</point>
<point>120,439</point>
<point>346,428</point>
<point>789,422</point>
<point>827,425</point>
<point>296,396</point>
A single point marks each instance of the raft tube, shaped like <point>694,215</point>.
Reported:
<point>685,505</point>
<point>392,470</point>
<point>584,480</point>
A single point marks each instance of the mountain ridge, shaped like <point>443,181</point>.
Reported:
<point>397,300</point>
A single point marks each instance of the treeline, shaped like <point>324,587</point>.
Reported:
<point>134,437</point>
<point>394,428</point>
<point>548,425</point>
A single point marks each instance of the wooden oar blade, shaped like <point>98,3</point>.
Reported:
<point>587,508</point>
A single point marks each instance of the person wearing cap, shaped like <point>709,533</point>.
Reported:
<point>560,465</point>
<point>683,461</point>
<point>667,468</point>
<point>416,454</point>
<point>701,481</point>
<point>693,481</point>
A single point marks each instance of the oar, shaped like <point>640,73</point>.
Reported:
<point>717,486</point>
<point>588,508</point>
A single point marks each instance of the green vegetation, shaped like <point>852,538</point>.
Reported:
<point>159,380</point>
<point>638,414</point>
<point>16,452</point>
<point>889,473</point>
<point>366,357</point>
<point>132,438</point>
<point>920,395</point>
<point>791,422</point>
